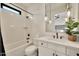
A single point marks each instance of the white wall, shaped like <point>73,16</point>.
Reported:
<point>56,8</point>
<point>37,22</point>
<point>74,10</point>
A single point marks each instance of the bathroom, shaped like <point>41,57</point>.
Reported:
<point>37,29</point>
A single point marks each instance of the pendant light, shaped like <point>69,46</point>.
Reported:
<point>50,20</point>
<point>68,11</point>
<point>45,18</point>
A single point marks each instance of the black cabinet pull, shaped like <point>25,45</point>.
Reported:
<point>27,38</point>
<point>53,54</point>
<point>77,54</point>
<point>41,43</point>
<point>60,37</point>
<point>57,35</point>
<point>54,36</point>
<point>28,34</point>
<point>56,55</point>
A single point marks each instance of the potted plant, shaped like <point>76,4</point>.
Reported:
<point>71,25</point>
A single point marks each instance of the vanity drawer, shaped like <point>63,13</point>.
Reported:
<point>72,51</point>
<point>57,47</point>
<point>43,44</point>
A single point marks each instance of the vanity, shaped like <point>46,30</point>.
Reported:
<point>57,44</point>
<point>51,46</point>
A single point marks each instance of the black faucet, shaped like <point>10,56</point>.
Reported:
<point>57,35</point>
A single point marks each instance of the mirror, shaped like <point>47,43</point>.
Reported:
<point>56,15</point>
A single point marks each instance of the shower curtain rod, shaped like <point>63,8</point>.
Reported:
<point>21,9</point>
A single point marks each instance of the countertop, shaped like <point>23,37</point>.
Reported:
<point>64,42</point>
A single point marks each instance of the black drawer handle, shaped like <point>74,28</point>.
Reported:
<point>54,36</point>
<point>41,43</point>
<point>56,55</point>
<point>77,54</point>
<point>27,38</point>
<point>60,37</point>
<point>28,34</point>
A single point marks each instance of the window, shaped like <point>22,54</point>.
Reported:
<point>4,6</point>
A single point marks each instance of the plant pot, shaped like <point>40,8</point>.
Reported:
<point>72,37</point>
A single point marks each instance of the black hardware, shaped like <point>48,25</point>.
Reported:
<point>27,41</point>
<point>28,34</point>
<point>2,4</point>
<point>56,55</point>
<point>53,36</point>
<point>27,38</point>
<point>21,9</point>
<point>27,17</point>
<point>77,54</point>
<point>37,52</point>
<point>60,37</point>
<point>2,49</point>
<point>41,43</point>
<point>53,54</point>
<point>57,35</point>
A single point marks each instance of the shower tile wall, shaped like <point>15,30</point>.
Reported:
<point>36,25</point>
<point>14,34</point>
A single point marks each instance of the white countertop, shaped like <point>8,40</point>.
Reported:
<point>64,42</point>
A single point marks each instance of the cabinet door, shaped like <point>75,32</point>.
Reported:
<point>57,47</point>
<point>72,51</point>
<point>59,54</point>
<point>46,52</point>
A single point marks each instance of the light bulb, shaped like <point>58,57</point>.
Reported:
<point>68,13</point>
<point>66,19</point>
<point>50,21</point>
<point>45,18</point>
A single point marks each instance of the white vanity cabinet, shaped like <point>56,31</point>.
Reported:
<point>60,50</point>
<point>43,51</point>
<point>50,49</point>
<point>49,52</point>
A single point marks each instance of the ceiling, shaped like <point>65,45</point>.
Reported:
<point>33,8</point>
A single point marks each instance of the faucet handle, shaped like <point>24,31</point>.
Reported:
<point>54,36</point>
<point>57,35</point>
<point>61,37</point>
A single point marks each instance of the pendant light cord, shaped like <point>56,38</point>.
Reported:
<point>50,11</point>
